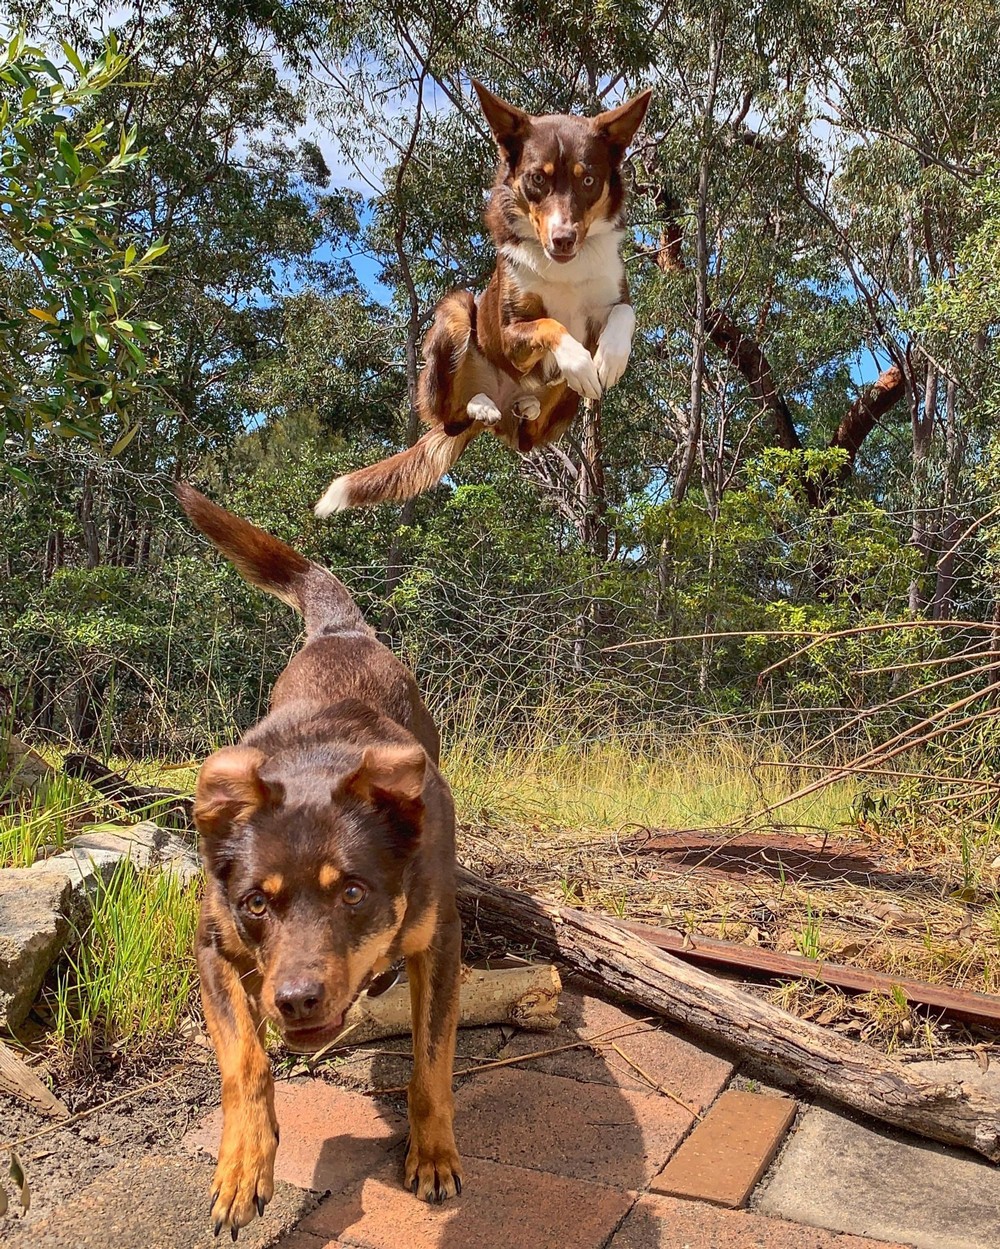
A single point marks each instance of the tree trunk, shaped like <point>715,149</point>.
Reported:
<point>945,584</point>
<point>89,530</point>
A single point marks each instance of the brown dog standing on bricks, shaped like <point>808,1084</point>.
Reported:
<point>327,837</point>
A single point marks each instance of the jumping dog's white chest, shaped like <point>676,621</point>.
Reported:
<point>581,291</point>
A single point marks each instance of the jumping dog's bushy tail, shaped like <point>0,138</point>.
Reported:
<point>271,565</point>
<point>401,476</point>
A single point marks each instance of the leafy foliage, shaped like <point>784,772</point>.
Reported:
<point>74,349</point>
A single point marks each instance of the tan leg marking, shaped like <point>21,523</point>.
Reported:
<point>244,1175</point>
<point>433,1171</point>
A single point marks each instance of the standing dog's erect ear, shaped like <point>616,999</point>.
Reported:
<point>508,123</point>
<point>230,789</point>
<point>618,125</point>
<point>391,773</point>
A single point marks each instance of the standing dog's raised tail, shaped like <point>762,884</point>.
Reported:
<point>270,564</point>
<point>402,476</point>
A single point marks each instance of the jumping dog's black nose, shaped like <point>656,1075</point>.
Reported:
<point>563,240</point>
<point>298,1000</point>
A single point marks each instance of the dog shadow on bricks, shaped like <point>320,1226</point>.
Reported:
<point>555,1147</point>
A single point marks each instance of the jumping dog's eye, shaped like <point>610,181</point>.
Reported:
<point>589,180</point>
<point>255,904</point>
<point>538,178</point>
<point>354,894</point>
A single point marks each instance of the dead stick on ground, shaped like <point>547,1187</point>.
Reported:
<point>18,1080</point>
<point>823,1062</point>
<point>593,1042</point>
<point>660,1088</point>
<point>526,996</point>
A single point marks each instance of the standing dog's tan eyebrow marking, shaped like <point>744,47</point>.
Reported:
<point>329,876</point>
<point>272,884</point>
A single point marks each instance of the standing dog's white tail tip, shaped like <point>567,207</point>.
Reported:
<point>336,498</point>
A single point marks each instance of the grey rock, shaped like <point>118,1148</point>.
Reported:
<point>33,929</point>
<point>86,870</point>
<point>145,845</point>
<point>851,1176</point>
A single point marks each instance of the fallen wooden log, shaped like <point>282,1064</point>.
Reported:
<point>526,996</point>
<point>823,1062</point>
<point>980,1009</point>
<point>18,1080</point>
<point>174,809</point>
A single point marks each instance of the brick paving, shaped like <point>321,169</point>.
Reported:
<point>559,1152</point>
<point>669,1223</point>
<point>727,1153</point>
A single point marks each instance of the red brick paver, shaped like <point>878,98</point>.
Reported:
<point>329,1137</point>
<point>669,1057</point>
<point>667,1223</point>
<point>501,1207</point>
<point>587,1131</point>
<point>727,1153</point>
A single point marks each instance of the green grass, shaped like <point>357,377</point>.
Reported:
<point>125,984</point>
<point>41,819</point>
<point>698,780</point>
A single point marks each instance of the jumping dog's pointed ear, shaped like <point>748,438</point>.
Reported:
<point>391,774</point>
<point>231,790</point>
<point>618,125</point>
<point>509,124</point>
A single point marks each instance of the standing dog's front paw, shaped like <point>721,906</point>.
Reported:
<point>244,1176</point>
<point>433,1169</point>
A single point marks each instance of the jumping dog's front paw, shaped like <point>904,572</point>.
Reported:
<point>615,345</point>
<point>244,1176</point>
<point>433,1169</point>
<point>577,367</point>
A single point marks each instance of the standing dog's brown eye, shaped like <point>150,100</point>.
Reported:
<point>354,893</point>
<point>255,904</point>
<point>538,178</point>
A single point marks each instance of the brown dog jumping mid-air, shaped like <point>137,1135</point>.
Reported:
<point>555,321</point>
<point>327,837</point>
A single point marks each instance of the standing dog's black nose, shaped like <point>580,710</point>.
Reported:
<point>298,1000</point>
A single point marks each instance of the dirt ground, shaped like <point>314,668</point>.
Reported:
<point>156,1112</point>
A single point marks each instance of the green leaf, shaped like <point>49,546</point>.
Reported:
<point>50,69</point>
<point>68,153</point>
<point>157,249</point>
<point>73,57</point>
<point>124,440</point>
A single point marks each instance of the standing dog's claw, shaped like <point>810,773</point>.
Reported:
<point>260,1204</point>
